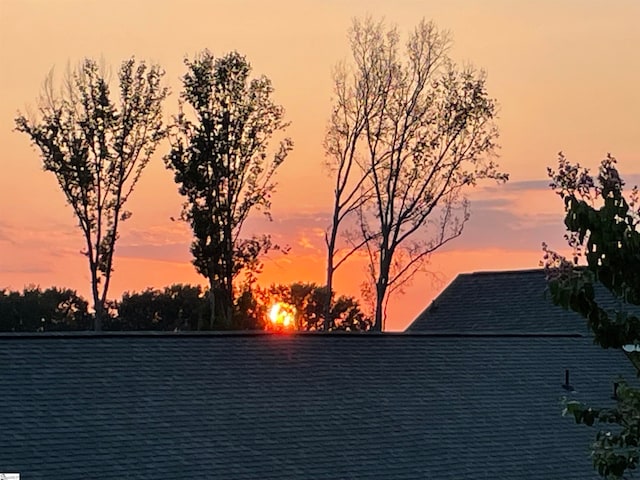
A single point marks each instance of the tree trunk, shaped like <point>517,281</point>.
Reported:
<point>221,306</point>
<point>331,247</point>
<point>212,304</point>
<point>98,306</point>
<point>380,291</point>
<point>327,303</point>
<point>227,309</point>
<point>99,317</point>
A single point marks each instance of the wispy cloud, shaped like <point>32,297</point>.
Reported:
<point>25,269</point>
<point>171,252</point>
<point>4,236</point>
<point>516,215</point>
<point>167,233</point>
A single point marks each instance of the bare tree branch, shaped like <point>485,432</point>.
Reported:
<point>428,132</point>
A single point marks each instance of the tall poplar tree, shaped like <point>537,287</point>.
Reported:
<point>97,147</point>
<point>223,166</point>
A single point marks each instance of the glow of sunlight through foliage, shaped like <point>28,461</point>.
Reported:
<point>282,316</point>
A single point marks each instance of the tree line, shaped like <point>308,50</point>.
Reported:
<point>175,308</point>
<point>409,132</point>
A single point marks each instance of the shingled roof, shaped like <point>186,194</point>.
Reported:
<point>504,301</point>
<point>402,406</point>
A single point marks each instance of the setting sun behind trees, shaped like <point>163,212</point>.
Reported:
<point>282,316</point>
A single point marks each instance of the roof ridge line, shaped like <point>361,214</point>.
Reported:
<point>504,272</point>
<point>247,334</point>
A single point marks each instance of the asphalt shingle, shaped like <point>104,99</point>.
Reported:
<point>505,301</point>
<point>298,406</point>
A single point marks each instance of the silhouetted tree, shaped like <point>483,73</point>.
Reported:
<point>97,148</point>
<point>36,310</point>
<point>178,307</point>
<point>408,133</point>
<point>354,100</point>
<point>222,166</point>
<point>604,228</point>
<point>248,311</point>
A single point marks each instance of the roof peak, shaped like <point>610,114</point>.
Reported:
<point>512,272</point>
<point>503,272</point>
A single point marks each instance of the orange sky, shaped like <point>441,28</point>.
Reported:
<point>565,72</point>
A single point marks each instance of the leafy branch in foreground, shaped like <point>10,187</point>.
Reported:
<point>603,228</point>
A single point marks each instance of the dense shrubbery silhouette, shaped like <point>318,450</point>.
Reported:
<point>36,310</point>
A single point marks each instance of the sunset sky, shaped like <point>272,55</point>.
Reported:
<point>566,74</point>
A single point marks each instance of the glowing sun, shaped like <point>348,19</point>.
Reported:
<point>282,316</point>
